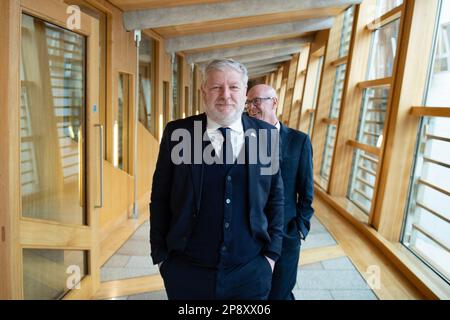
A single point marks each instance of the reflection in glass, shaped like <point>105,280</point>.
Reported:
<point>438,92</point>
<point>346,31</point>
<point>52,122</point>
<point>328,152</point>
<point>175,102</point>
<point>316,94</point>
<point>121,124</point>
<point>383,51</point>
<point>362,180</point>
<point>50,274</point>
<point>337,91</point>
<point>427,227</point>
<point>145,82</point>
<point>384,6</point>
<point>372,116</point>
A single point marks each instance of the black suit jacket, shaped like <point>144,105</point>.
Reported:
<point>177,189</point>
<point>297,172</point>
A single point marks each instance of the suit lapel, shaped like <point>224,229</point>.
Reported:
<point>197,169</point>
<point>252,168</point>
<point>285,137</point>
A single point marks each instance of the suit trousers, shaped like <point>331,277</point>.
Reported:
<point>285,271</point>
<point>184,280</point>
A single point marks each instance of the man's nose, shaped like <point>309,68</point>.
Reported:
<point>225,92</point>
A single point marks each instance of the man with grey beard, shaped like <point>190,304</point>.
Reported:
<point>216,226</point>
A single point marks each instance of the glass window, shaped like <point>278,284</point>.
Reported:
<point>51,274</point>
<point>426,230</point>
<point>316,94</point>
<point>328,152</point>
<point>337,91</point>
<point>427,226</point>
<point>362,180</point>
<point>121,124</point>
<point>384,46</point>
<point>346,31</point>
<point>384,6</point>
<point>52,117</point>
<point>438,93</point>
<point>145,83</point>
<point>372,116</point>
<point>174,113</point>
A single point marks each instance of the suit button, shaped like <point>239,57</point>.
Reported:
<point>228,201</point>
<point>227,225</point>
<point>229,178</point>
<point>224,248</point>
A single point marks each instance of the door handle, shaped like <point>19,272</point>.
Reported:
<point>102,151</point>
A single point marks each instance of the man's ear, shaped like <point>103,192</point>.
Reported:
<point>275,103</point>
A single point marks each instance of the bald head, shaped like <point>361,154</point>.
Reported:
<point>262,90</point>
<point>264,103</point>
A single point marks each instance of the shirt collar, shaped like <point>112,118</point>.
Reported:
<point>278,126</point>
<point>212,126</point>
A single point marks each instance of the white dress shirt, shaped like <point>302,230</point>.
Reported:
<point>236,132</point>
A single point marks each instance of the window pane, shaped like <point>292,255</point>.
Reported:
<point>362,181</point>
<point>372,116</point>
<point>50,274</point>
<point>427,226</point>
<point>384,46</point>
<point>346,31</point>
<point>145,82</point>
<point>439,93</point>
<point>52,122</point>
<point>316,92</point>
<point>328,152</point>
<point>337,91</point>
<point>384,6</point>
<point>175,105</point>
<point>121,124</point>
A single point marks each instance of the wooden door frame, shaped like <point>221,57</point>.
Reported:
<point>19,232</point>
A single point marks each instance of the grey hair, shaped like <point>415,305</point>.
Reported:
<point>222,64</point>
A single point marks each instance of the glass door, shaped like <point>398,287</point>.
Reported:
<point>59,152</point>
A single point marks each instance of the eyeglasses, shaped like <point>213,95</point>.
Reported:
<point>256,101</point>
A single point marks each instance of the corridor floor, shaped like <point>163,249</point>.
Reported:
<point>330,278</point>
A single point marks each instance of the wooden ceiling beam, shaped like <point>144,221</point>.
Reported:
<point>202,13</point>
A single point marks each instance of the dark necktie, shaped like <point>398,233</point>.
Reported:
<point>226,146</point>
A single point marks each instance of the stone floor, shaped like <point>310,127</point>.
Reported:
<point>333,279</point>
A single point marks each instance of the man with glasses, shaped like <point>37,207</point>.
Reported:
<point>211,234</point>
<point>297,173</point>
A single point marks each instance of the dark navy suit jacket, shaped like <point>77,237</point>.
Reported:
<point>176,195</point>
<point>297,172</point>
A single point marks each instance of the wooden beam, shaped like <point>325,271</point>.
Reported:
<point>430,112</point>
<point>385,18</point>
<point>127,5</point>
<point>246,34</point>
<point>330,121</point>
<point>202,13</point>
<point>268,61</point>
<point>370,149</point>
<point>241,50</point>
<point>253,57</point>
<point>339,61</point>
<point>384,82</point>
